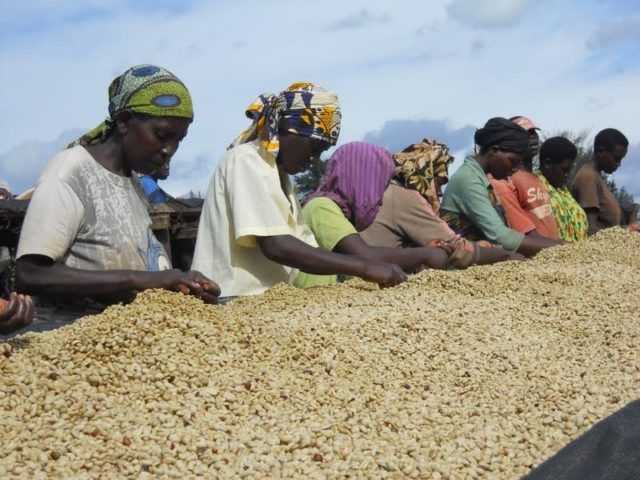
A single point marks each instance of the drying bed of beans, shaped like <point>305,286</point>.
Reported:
<point>481,373</point>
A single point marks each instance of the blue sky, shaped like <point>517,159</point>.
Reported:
<point>406,68</point>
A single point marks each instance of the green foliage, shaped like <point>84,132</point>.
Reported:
<point>194,195</point>
<point>308,181</point>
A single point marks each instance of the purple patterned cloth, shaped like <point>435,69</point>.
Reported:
<point>357,175</point>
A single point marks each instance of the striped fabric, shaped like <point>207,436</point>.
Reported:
<point>357,175</point>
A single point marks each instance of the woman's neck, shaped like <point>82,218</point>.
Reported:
<point>596,165</point>
<point>482,161</point>
<point>284,180</point>
<point>109,154</point>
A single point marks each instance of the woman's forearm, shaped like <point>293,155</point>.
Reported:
<point>409,259</point>
<point>412,259</point>
<point>288,250</point>
<point>594,223</point>
<point>487,256</point>
<point>534,242</point>
<point>41,276</point>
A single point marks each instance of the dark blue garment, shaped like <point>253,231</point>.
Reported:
<point>152,191</point>
<point>608,451</point>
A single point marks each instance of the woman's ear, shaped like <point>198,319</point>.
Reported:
<point>122,123</point>
<point>492,151</point>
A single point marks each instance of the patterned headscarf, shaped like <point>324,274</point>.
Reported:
<point>419,165</point>
<point>145,89</point>
<point>357,175</point>
<point>309,110</point>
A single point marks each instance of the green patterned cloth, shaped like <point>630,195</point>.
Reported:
<point>572,221</point>
<point>145,89</point>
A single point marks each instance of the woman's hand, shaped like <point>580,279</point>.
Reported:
<point>384,274</point>
<point>518,257</point>
<point>189,283</point>
<point>16,313</point>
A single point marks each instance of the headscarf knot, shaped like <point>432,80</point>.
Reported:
<point>307,109</point>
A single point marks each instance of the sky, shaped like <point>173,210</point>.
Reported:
<point>403,69</point>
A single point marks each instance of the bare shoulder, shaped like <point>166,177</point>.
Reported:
<point>586,173</point>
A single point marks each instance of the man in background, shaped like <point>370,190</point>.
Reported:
<point>590,187</point>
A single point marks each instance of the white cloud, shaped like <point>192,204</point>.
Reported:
<point>229,52</point>
<point>360,19</point>
<point>34,15</point>
<point>20,166</point>
<point>395,135</point>
<point>488,13</point>
<point>615,32</point>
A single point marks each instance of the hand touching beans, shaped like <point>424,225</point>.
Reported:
<point>190,283</point>
<point>16,313</point>
<point>384,274</point>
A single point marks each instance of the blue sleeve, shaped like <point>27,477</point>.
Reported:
<point>152,191</point>
<point>158,196</point>
<point>148,185</point>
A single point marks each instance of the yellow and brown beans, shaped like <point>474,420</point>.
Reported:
<point>481,373</point>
